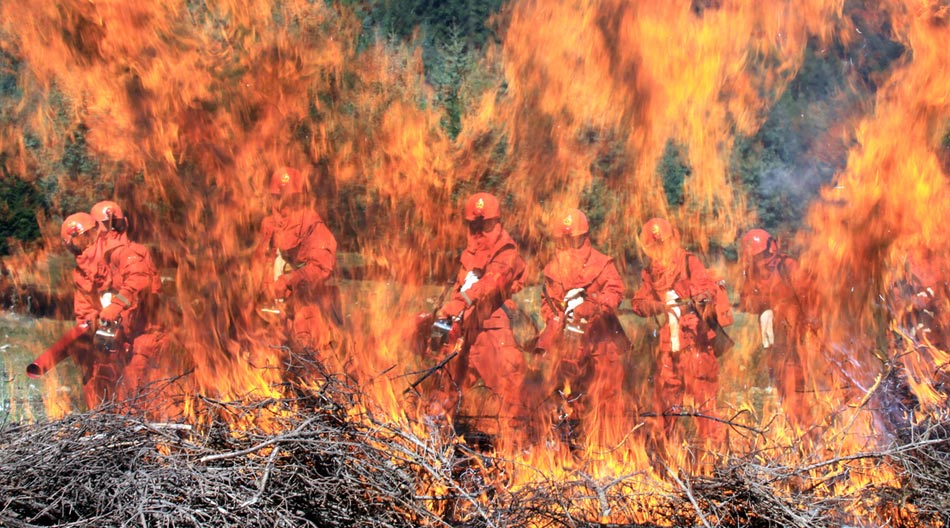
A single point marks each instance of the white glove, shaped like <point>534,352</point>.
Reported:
<point>767,325</point>
<point>279,265</point>
<point>572,304</point>
<point>470,281</point>
<point>673,318</point>
<point>573,299</point>
<point>671,298</point>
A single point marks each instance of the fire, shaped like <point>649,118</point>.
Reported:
<point>189,108</point>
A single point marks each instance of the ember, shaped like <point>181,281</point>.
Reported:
<point>310,286</point>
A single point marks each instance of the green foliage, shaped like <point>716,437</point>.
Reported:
<point>439,19</point>
<point>673,170</point>
<point>451,33</point>
<point>455,64</point>
<point>19,203</point>
<point>783,166</point>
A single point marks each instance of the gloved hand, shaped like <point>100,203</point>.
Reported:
<point>282,287</point>
<point>470,279</point>
<point>702,298</point>
<point>587,310</point>
<point>572,303</point>
<point>671,306</point>
<point>767,326</point>
<point>111,313</point>
<point>453,308</point>
<point>573,293</point>
<point>922,299</point>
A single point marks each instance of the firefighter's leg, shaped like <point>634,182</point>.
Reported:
<point>606,404</point>
<point>500,364</point>
<point>135,388</point>
<point>100,388</point>
<point>571,395</point>
<point>701,379</point>
<point>313,340</point>
<point>668,388</point>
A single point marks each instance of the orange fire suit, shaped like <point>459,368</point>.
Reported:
<point>687,371</point>
<point>90,278</point>
<point>491,271</point>
<point>303,252</point>
<point>768,285</point>
<point>922,299</point>
<point>587,369</point>
<point>135,284</point>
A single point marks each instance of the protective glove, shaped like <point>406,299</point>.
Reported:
<point>922,299</point>
<point>282,287</point>
<point>767,326</point>
<point>673,319</point>
<point>111,313</point>
<point>671,306</point>
<point>573,293</point>
<point>470,279</point>
<point>587,310</point>
<point>453,308</point>
<point>572,304</point>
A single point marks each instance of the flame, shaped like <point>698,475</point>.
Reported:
<point>188,108</point>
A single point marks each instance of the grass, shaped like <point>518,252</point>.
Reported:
<point>23,338</point>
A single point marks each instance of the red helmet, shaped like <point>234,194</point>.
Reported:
<point>75,225</point>
<point>570,223</point>
<point>107,210</point>
<point>110,215</point>
<point>286,181</point>
<point>656,231</point>
<point>756,241</point>
<point>482,205</point>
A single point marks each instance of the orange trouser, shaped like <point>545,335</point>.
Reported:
<point>688,378</point>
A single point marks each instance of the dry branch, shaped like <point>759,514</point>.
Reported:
<point>312,460</point>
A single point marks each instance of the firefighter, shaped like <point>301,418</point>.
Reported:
<point>579,300</point>
<point>491,271</point>
<point>90,277</point>
<point>299,252</point>
<point>920,298</point>
<point>768,291</point>
<point>125,332</point>
<point>674,285</point>
<point>919,310</point>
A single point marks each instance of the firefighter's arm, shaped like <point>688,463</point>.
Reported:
<point>644,302</point>
<point>316,269</point>
<point>702,287</point>
<point>492,286</point>
<point>263,247</point>
<point>85,305</point>
<point>551,304</point>
<point>607,297</point>
<point>84,310</point>
<point>552,311</point>
<point>751,298</point>
<point>138,275</point>
<point>317,256</point>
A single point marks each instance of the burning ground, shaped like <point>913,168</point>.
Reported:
<point>179,111</point>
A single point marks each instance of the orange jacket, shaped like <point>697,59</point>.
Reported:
<point>500,269</point>
<point>133,280</point>
<point>305,243</point>
<point>90,279</point>
<point>770,286</point>
<point>689,279</point>
<point>596,273</point>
